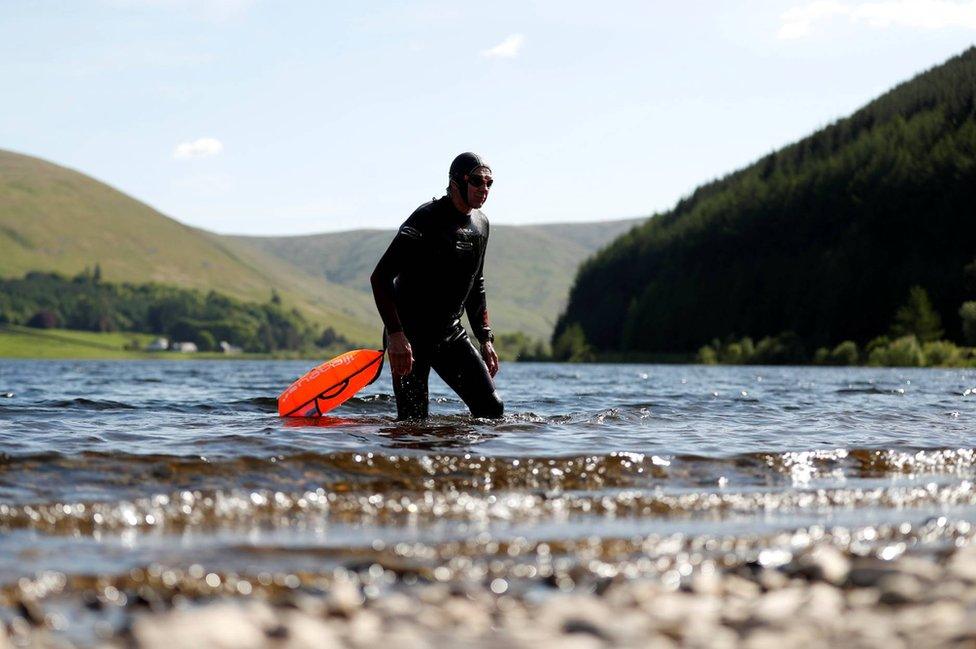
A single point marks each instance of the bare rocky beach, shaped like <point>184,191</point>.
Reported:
<point>820,597</point>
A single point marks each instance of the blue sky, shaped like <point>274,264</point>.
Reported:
<point>288,117</point>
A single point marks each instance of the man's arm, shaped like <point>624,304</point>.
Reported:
<point>382,280</point>
<point>385,273</point>
<point>476,306</point>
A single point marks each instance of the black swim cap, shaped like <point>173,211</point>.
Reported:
<point>464,164</point>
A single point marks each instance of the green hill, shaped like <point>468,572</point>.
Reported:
<point>56,219</point>
<point>823,238</point>
<point>528,271</point>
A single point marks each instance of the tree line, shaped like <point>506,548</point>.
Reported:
<point>813,245</point>
<point>913,340</point>
<point>85,302</point>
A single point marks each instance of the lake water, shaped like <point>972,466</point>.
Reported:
<point>173,476</point>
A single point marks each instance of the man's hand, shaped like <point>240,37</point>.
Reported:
<point>491,358</point>
<point>401,354</point>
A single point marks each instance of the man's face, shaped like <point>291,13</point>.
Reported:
<point>478,186</point>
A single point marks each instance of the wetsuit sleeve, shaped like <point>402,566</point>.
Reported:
<point>476,304</point>
<point>386,271</point>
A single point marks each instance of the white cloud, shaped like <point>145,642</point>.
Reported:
<point>507,49</point>
<point>201,148</point>
<point>798,21</point>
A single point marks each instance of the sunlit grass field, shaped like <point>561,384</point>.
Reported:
<point>25,342</point>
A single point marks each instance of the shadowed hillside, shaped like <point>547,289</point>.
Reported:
<point>823,238</point>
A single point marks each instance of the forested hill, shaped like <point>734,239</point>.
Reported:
<point>823,238</point>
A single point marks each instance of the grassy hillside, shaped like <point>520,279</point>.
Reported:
<point>823,238</point>
<point>53,218</point>
<point>528,271</point>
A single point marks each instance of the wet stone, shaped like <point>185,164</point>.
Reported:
<point>309,604</point>
<point>922,568</point>
<point>434,593</point>
<point>711,637</point>
<point>900,589</point>
<point>221,626</point>
<point>942,619</point>
<point>344,597</point>
<point>301,631</point>
<point>863,597</point>
<point>396,605</point>
<point>736,586</point>
<point>822,563</point>
<point>467,615</point>
<point>963,564</point>
<point>364,628</point>
<point>772,579</point>
<point>31,611</point>
<point>576,625</point>
<point>777,607</point>
<point>572,642</point>
<point>824,603</point>
<point>869,573</point>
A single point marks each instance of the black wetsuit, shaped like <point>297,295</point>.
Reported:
<point>432,272</point>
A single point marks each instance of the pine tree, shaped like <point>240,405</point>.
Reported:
<point>917,317</point>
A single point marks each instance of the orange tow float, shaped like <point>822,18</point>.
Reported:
<point>330,384</point>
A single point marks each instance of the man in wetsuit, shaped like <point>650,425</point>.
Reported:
<point>431,273</point>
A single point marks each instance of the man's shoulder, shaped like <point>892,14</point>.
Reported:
<point>421,216</point>
<point>418,221</point>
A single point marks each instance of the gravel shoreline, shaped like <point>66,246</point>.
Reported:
<point>822,597</point>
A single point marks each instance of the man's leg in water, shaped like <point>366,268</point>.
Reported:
<point>411,390</point>
<point>461,367</point>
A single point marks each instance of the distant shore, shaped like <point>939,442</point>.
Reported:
<point>17,342</point>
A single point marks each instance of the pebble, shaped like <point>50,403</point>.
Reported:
<point>572,642</point>
<point>397,605</point>
<point>822,563</point>
<point>344,598</point>
<point>962,565</point>
<point>737,586</point>
<point>779,606</point>
<point>31,611</point>
<point>307,632</point>
<point>467,615</point>
<point>365,628</point>
<point>824,603</point>
<point>219,626</point>
<point>863,597</point>
<point>900,588</point>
